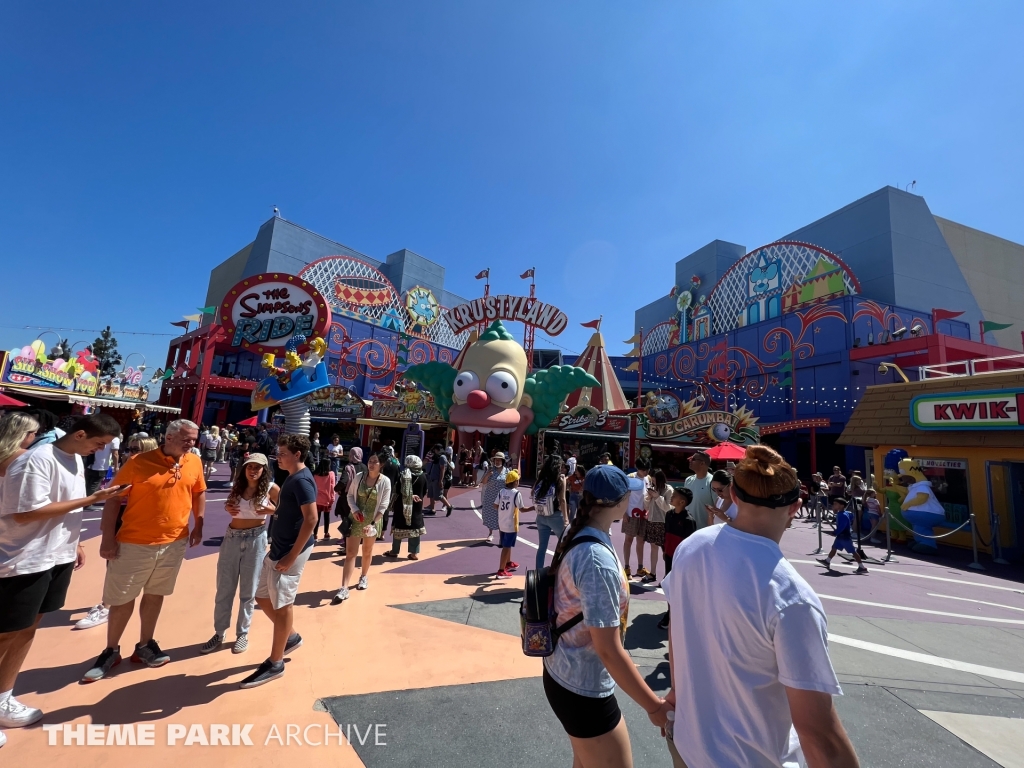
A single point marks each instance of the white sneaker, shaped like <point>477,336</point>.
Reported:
<point>14,714</point>
<point>97,615</point>
<point>363,584</point>
<point>490,537</point>
<point>213,470</point>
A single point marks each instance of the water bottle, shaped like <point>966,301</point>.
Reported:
<point>670,726</point>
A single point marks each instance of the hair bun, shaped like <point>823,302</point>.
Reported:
<point>762,459</point>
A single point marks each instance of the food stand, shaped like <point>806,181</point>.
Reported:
<point>966,433</point>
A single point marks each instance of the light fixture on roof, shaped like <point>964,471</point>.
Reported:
<point>885,367</point>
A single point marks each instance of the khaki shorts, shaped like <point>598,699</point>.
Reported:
<point>139,568</point>
<point>280,587</point>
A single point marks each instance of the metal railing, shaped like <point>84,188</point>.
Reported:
<point>971,367</point>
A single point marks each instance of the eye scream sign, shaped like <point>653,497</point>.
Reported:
<point>1000,409</point>
<point>263,311</point>
<point>521,309</point>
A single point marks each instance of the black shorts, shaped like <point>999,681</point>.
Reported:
<point>24,597</point>
<point>582,717</point>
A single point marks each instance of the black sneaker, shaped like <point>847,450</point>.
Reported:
<point>150,655</point>
<point>449,512</point>
<point>825,561</point>
<point>294,641</point>
<point>106,661</point>
<point>663,624</point>
<point>266,672</point>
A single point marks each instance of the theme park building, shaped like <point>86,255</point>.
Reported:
<point>784,339</point>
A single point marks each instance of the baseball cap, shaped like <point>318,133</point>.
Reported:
<point>606,483</point>
<point>512,477</point>
<point>256,458</point>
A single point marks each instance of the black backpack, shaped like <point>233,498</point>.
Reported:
<point>538,621</point>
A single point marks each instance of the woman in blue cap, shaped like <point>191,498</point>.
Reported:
<point>589,659</point>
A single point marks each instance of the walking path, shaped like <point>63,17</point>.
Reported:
<point>425,667</point>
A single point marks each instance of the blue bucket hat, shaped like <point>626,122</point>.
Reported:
<point>606,483</point>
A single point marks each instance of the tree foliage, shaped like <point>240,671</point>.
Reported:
<point>104,349</point>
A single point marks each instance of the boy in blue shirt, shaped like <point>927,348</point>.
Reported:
<point>844,538</point>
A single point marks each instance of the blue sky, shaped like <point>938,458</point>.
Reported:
<point>141,144</point>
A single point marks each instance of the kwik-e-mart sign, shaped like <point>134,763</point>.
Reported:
<point>1000,409</point>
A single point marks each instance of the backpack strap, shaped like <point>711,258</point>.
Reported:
<point>558,631</point>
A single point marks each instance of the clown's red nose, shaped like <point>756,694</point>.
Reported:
<point>478,399</point>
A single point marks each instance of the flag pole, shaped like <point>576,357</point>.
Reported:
<point>639,399</point>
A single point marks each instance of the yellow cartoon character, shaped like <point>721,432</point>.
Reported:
<point>921,509</point>
<point>491,391</point>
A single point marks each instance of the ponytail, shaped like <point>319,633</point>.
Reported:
<point>587,505</point>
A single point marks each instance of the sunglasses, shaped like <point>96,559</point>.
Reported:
<point>718,489</point>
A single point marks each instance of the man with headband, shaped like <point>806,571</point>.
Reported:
<point>750,635</point>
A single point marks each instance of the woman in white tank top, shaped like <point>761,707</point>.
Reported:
<point>253,497</point>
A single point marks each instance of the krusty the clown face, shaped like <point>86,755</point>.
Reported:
<point>490,385</point>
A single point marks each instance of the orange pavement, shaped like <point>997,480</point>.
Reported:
<point>361,646</point>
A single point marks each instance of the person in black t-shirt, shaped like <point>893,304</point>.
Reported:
<point>294,522</point>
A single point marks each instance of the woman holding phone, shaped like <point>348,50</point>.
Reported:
<point>240,560</point>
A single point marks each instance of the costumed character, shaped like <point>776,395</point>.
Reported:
<point>491,392</point>
<point>921,509</point>
<point>893,496</point>
<point>290,385</point>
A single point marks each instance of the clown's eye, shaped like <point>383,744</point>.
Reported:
<point>465,383</point>
<point>502,386</point>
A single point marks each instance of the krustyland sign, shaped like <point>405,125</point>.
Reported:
<point>263,312</point>
<point>521,309</point>
<point>998,409</point>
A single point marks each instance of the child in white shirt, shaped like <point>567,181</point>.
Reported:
<point>509,504</point>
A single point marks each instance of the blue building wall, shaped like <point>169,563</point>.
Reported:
<point>364,357</point>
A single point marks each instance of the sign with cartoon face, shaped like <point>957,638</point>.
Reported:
<point>585,418</point>
<point>264,311</point>
<point>666,417</point>
<point>422,308</point>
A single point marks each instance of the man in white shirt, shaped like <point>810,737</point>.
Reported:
<point>40,524</point>
<point>108,457</point>
<point>570,465</point>
<point>699,484</point>
<point>752,682</point>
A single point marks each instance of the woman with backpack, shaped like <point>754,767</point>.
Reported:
<point>369,497</point>
<point>589,660</point>
<point>552,510</point>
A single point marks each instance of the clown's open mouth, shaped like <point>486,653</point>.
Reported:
<point>492,419</point>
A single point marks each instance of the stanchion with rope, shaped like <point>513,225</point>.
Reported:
<point>888,540</point>
<point>969,521</point>
<point>871,533</point>
<point>821,514</point>
<point>996,547</point>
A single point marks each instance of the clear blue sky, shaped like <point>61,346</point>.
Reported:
<point>141,144</point>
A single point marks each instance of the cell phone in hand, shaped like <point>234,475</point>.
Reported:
<point>122,487</point>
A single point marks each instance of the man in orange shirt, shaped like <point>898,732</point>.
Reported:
<point>144,555</point>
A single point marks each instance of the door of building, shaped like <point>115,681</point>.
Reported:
<point>1006,507</point>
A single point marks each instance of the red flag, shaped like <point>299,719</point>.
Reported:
<point>944,314</point>
<point>595,324</point>
<point>528,273</point>
<point>484,274</point>
<point>182,324</point>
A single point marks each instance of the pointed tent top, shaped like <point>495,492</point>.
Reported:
<point>609,396</point>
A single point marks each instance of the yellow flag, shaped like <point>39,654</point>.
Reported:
<point>192,318</point>
<point>634,366</point>
<point>634,340</point>
<point>635,352</point>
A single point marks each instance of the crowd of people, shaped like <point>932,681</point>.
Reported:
<point>755,635</point>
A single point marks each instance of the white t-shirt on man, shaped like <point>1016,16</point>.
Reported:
<point>35,479</point>
<point>745,627</point>
<point>102,458</point>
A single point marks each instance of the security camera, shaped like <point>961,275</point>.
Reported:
<point>900,332</point>
<point>917,330</point>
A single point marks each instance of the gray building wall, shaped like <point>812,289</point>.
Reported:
<point>994,271</point>
<point>902,255</point>
<point>283,246</point>
<point>708,263</point>
<point>891,242</point>
<point>223,277</point>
